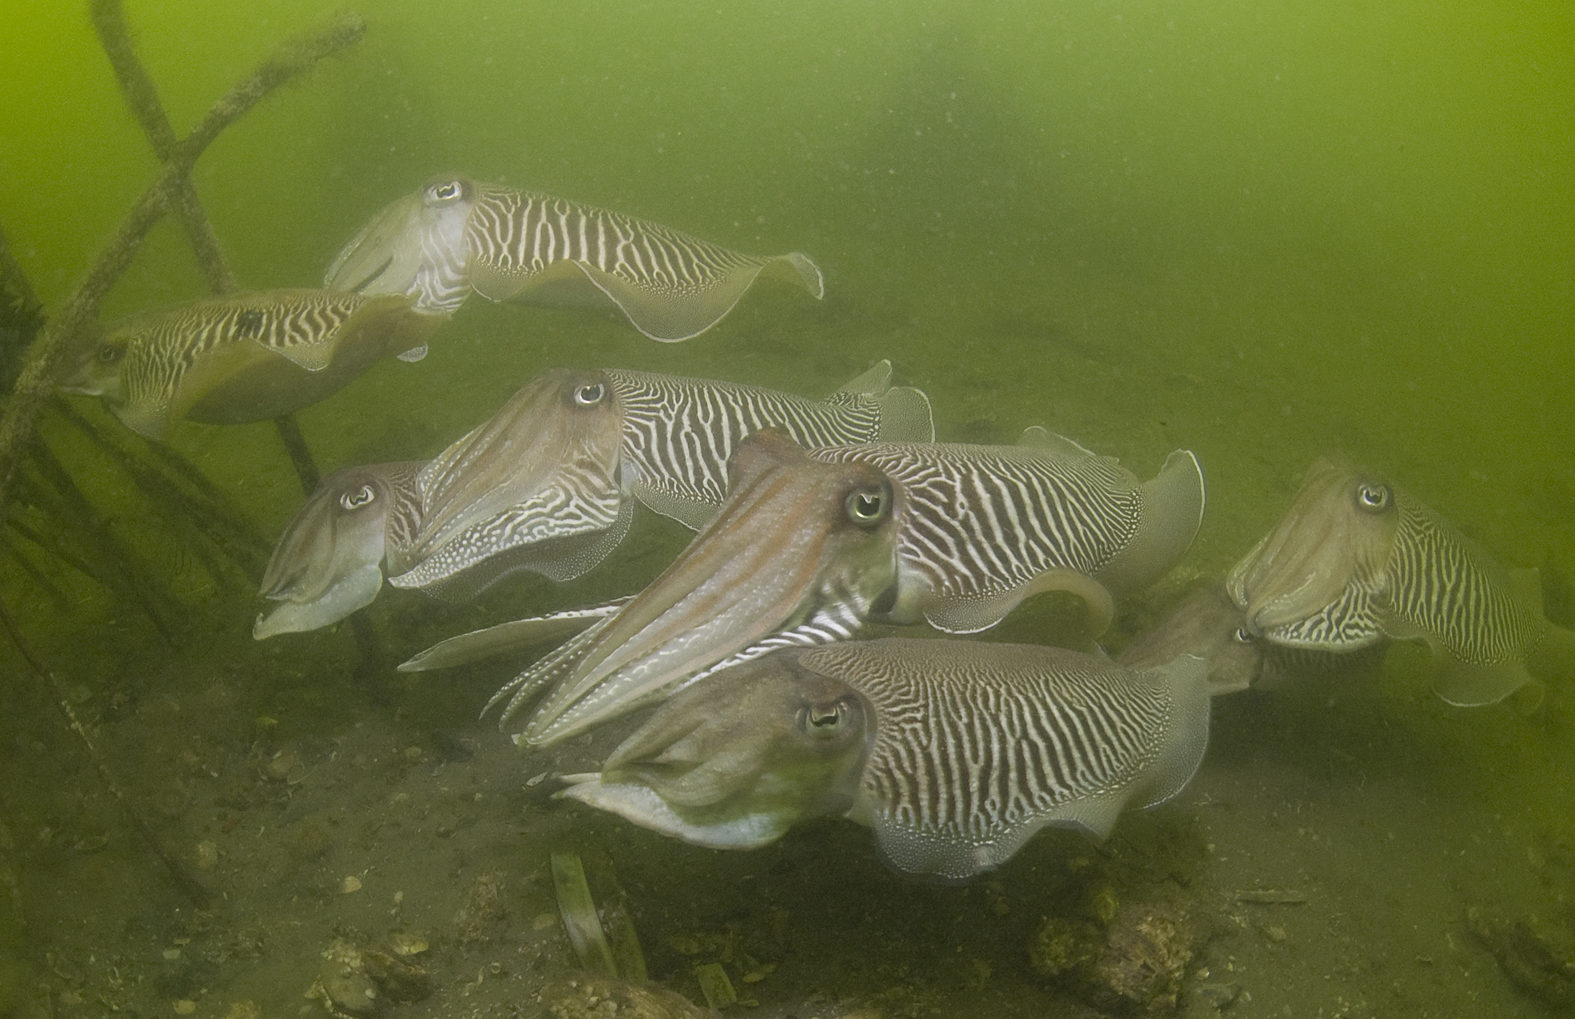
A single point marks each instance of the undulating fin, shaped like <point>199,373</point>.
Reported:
<point>669,285</point>
<point>905,416</point>
<point>873,381</point>
<point>795,267</point>
<point>507,638</point>
<point>658,314</point>
<point>684,508</point>
<point>1059,446</point>
<point>970,615</point>
<point>1172,513</point>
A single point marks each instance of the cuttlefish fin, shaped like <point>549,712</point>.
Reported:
<point>151,421</point>
<point>1059,446</point>
<point>384,313</point>
<point>687,510</point>
<point>872,381</point>
<point>905,414</point>
<point>355,590</point>
<point>506,638</point>
<point>797,268</point>
<point>1172,513</point>
<point>661,314</point>
<point>970,615</point>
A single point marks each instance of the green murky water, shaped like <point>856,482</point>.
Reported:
<point>1260,232</point>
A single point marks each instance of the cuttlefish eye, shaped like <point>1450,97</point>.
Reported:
<point>1242,635</point>
<point>867,506</point>
<point>824,720</point>
<point>109,353</point>
<point>1372,497</point>
<point>445,191</point>
<point>358,498</point>
<point>591,395</point>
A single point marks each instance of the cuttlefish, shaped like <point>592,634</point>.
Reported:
<point>976,529</point>
<point>956,753</point>
<point>1356,561</point>
<point>527,490</point>
<point>243,357</point>
<point>328,561</point>
<point>456,235</point>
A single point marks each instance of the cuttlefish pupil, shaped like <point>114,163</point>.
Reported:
<point>589,396</point>
<point>446,191</point>
<point>355,500</point>
<point>1372,498</point>
<point>866,508</point>
<point>825,720</point>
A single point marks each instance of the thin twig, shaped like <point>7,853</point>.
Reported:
<point>199,896</point>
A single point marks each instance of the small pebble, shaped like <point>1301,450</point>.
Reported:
<point>185,1006</point>
<point>350,884</point>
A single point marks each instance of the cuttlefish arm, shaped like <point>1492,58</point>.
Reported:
<point>329,560</point>
<point>543,469</point>
<point>1333,543</point>
<point>797,546</point>
<point>734,760</point>
<point>508,638</point>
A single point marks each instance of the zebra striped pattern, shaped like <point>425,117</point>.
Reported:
<point>678,433</point>
<point>976,520</point>
<point>1345,624</point>
<point>522,232</point>
<point>971,740</point>
<point>1437,582</point>
<point>161,346</point>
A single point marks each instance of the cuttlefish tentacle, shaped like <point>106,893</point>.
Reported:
<point>956,753</point>
<point>328,562</point>
<point>793,538</point>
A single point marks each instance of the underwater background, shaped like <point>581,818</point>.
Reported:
<point>1260,232</point>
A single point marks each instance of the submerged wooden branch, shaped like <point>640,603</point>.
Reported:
<point>143,97</point>
<point>69,328</point>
